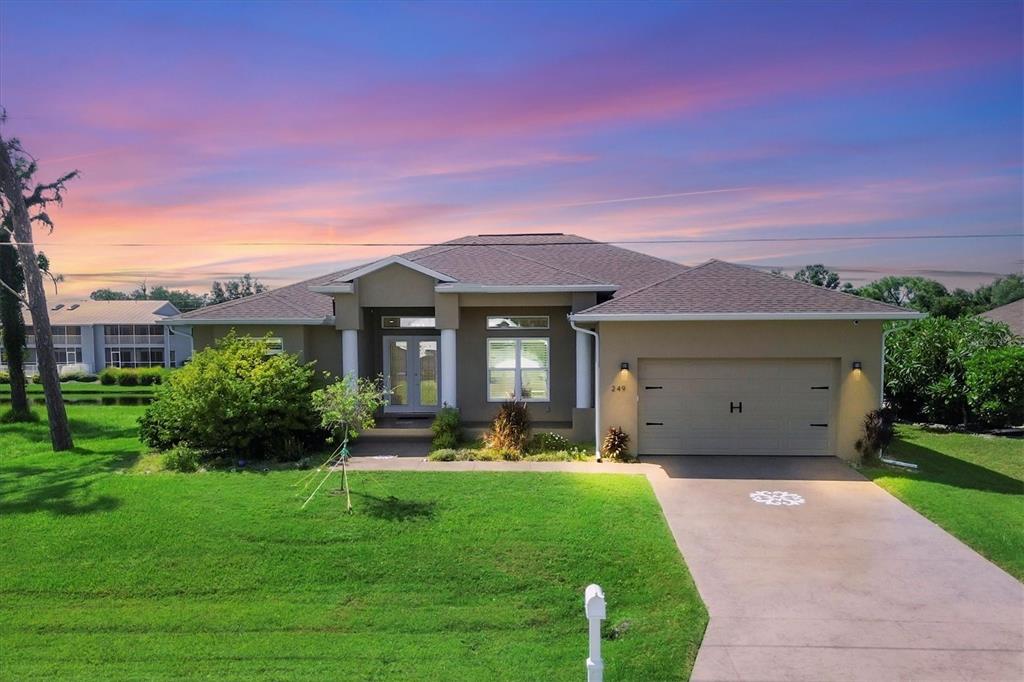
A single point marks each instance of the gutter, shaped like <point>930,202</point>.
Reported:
<point>686,317</point>
<point>597,380</point>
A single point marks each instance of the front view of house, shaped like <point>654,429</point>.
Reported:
<point>714,359</point>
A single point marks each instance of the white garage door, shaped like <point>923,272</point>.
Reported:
<point>735,407</point>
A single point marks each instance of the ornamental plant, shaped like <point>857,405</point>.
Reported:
<point>616,444</point>
<point>233,399</point>
<point>510,431</point>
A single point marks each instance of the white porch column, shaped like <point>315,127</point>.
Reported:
<point>584,368</point>
<point>350,353</point>
<point>448,365</point>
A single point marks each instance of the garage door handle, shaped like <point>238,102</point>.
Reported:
<point>819,388</point>
<point>654,423</point>
<point>825,425</point>
<point>652,388</point>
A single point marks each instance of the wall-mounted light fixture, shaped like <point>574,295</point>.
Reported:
<point>856,365</point>
<point>624,366</point>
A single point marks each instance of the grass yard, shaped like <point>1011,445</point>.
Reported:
<point>108,573</point>
<point>973,486</point>
<point>84,387</point>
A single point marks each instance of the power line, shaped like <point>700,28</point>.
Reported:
<point>653,242</point>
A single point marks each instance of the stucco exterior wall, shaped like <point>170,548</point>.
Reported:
<point>471,349</point>
<point>395,286</point>
<point>843,341</point>
<point>308,342</point>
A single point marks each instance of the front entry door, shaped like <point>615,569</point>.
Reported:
<point>410,371</point>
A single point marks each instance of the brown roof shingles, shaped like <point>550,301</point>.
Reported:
<point>1011,314</point>
<point>720,288</point>
<point>488,260</point>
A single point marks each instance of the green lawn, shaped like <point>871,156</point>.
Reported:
<point>973,486</point>
<point>85,387</point>
<point>108,573</point>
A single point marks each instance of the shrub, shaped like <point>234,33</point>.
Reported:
<point>447,428</point>
<point>5,378</point>
<point>149,376</point>
<point>77,375</point>
<point>925,375</point>
<point>443,455</point>
<point>547,442</point>
<point>616,444</point>
<point>37,378</point>
<point>995,386</point>
<point>88,378</point>
<point>127,377</point>
<point>108,375</point>
<point>233,399</point>
<point>879,430</point>
<point>184,458</point>
<point>510,430</point>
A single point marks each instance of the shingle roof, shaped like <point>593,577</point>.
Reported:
<point>292,302</point>
<point>1011,314</point>
<point>717,288</point>
<point>486,260</point>
<point>107,312</point>
<point>541,259</point>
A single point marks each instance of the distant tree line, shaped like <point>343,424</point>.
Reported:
<point>920,293</point>
<point>185,300</point>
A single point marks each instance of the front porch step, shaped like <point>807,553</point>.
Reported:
<point>398,432</point>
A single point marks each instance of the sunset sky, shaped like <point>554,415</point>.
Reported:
<point>198,126</point>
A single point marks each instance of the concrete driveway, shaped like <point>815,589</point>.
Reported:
<point>850,584</point>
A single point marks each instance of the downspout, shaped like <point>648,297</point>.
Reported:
<point>597,381</point>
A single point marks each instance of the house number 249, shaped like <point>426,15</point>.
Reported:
<point>618,387</point>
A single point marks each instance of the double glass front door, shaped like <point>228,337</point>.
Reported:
<point>411,372</point>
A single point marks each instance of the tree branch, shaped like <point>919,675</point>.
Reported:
<point>14,293</point>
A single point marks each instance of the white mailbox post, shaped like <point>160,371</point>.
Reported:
<point>593,605</point>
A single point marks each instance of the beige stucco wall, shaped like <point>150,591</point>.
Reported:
<point>320,343</point>
<point>843,341</point>
<point>396,286</point>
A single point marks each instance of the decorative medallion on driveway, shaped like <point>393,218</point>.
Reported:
<point>776,498</point>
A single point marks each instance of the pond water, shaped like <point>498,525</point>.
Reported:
<point>90,400</point>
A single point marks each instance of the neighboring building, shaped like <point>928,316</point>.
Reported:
<point>91,335</point>
<point>716,359</point>
<point>1011,314</point>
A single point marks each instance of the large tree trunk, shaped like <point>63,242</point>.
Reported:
<point>60,431</point>
<point>13,327</point>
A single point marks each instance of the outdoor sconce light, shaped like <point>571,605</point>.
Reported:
<point>856,365</point>
<point>624,366</point>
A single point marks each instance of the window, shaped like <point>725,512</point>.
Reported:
<point>134,357</point>
<point>518,322</point>
<point>518,368</point>
<point>396,322</point>
<point>275,345</point>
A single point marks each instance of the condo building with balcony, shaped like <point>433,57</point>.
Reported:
<point>90,335</point>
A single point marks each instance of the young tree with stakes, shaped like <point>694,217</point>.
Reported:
<point>16,170</point>
<point>347,407</point>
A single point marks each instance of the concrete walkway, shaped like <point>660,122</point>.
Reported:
<point>848,583</point>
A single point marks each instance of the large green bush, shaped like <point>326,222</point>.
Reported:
<point>995,386</point>
<point>926,365</point>
<point>234,399</point>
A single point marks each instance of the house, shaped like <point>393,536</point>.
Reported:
<point>90,335</point>
<point>1011,314</point>
<point>715,359</point>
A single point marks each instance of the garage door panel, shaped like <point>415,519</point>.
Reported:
<point>728,406</point>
